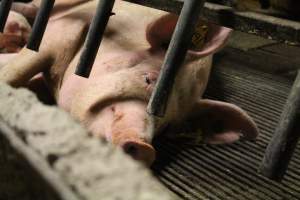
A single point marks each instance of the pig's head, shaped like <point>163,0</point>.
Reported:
<point>219,122</point>
<point>16,33</point>
<point>114,104</point>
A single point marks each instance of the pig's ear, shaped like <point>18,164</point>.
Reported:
<point>214,40</point>
<point>159,33</point>
<point>222,122</point>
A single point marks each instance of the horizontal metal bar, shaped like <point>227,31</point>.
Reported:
<point>283,144</point>
<point>40,25</point>
<point>175,56</point>
<point>94,37</point>
<point>5,6</point>
<point>250,22</point>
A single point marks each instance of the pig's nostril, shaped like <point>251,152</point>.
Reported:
<point>130,149</point>
<point>140,151</point>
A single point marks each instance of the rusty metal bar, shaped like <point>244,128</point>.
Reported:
<point>283,144</point>
<point>40,25</point>
<point>175,56</point>
<point>94,37</point>
<point>5,7</point>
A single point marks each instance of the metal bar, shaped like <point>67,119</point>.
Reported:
<point>40,25</point>
<point>250,22</point>
<point>94,37</point>
<point>283,144</point>
<point>5,7</point>
<point>175,56</point>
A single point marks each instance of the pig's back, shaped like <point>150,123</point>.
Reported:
<point>67,30</point>
<point>125,32</point>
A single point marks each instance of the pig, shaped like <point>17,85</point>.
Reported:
<point>17,30</point>
<point>16,33</point>
<point>112,102</point>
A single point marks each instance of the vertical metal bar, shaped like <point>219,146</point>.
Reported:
<point>94,37</point>
<point>5,7</point>
<point>40,25</point>
<point>282,145</point>
<point>175,56</point>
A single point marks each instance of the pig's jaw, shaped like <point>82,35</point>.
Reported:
<point>126,124</point>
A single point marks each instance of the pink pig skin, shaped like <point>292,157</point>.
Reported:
<point>112,102</point>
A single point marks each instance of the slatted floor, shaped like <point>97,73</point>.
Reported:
<point>230,171</point>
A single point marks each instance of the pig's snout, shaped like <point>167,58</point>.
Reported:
<point>139,151</point>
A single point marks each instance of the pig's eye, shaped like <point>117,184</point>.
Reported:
<point>150,77</point>
<point>147,80</point>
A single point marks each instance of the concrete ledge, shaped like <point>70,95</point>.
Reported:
<point>71,162</point>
